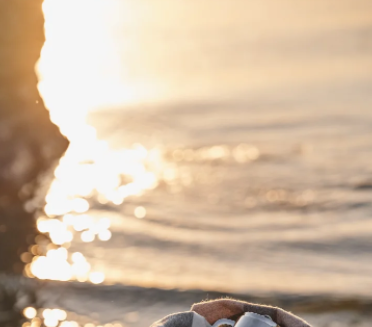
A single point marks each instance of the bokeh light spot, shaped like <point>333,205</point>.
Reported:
<point>29,312</point>
<point>140,212</point>
<point>96,277</point>
<point>104,235</point>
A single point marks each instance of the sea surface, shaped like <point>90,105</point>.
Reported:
<point>217,145</point>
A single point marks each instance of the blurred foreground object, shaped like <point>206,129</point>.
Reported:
<point>29,143</point>
<point>205,314</point>
<point>29,146</point>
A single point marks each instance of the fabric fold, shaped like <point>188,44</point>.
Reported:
<point>205,314</point>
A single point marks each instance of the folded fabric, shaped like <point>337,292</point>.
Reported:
<point>204,314</point>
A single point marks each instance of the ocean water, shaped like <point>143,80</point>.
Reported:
<point>219,145</point>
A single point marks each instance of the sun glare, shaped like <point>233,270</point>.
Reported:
<point>53,317</point>
<point>78,72</point>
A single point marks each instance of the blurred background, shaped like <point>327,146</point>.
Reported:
<point>195,149</point>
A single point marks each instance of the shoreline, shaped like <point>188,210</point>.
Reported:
<point>138,306</point>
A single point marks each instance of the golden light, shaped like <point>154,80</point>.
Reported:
<point>60,237</point>
<point>244,152</point>
<point>82,222</point>
<point>80,205</point>
<point>104,235</point>
<point>42,225</point>
<point>218,152</point>
<point>59,314</point>
<point>74,78</point>
<point>47,313</point>
<point>51,322</point>
<point>29,312</point>
<point>140,212</point>
<point>81,269</point>
<point>103,223</point>
<point>67,324</point>
<point>68,219</point>
<point>26,257</point>
<point>96,277</point>
<point>87,236</point>
<point>52,267</point>
<point>77,257</point>
<point>35,322</point>
<point>82,279</point>
<point>57,254</point>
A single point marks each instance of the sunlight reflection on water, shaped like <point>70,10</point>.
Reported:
<point>85,174</point>
<point>291,97</point>
<point>53,317</point>
<point>81,70</point>
<point>89,171</point>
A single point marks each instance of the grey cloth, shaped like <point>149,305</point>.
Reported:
<point>205,314</point>
<point>182,319</point>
